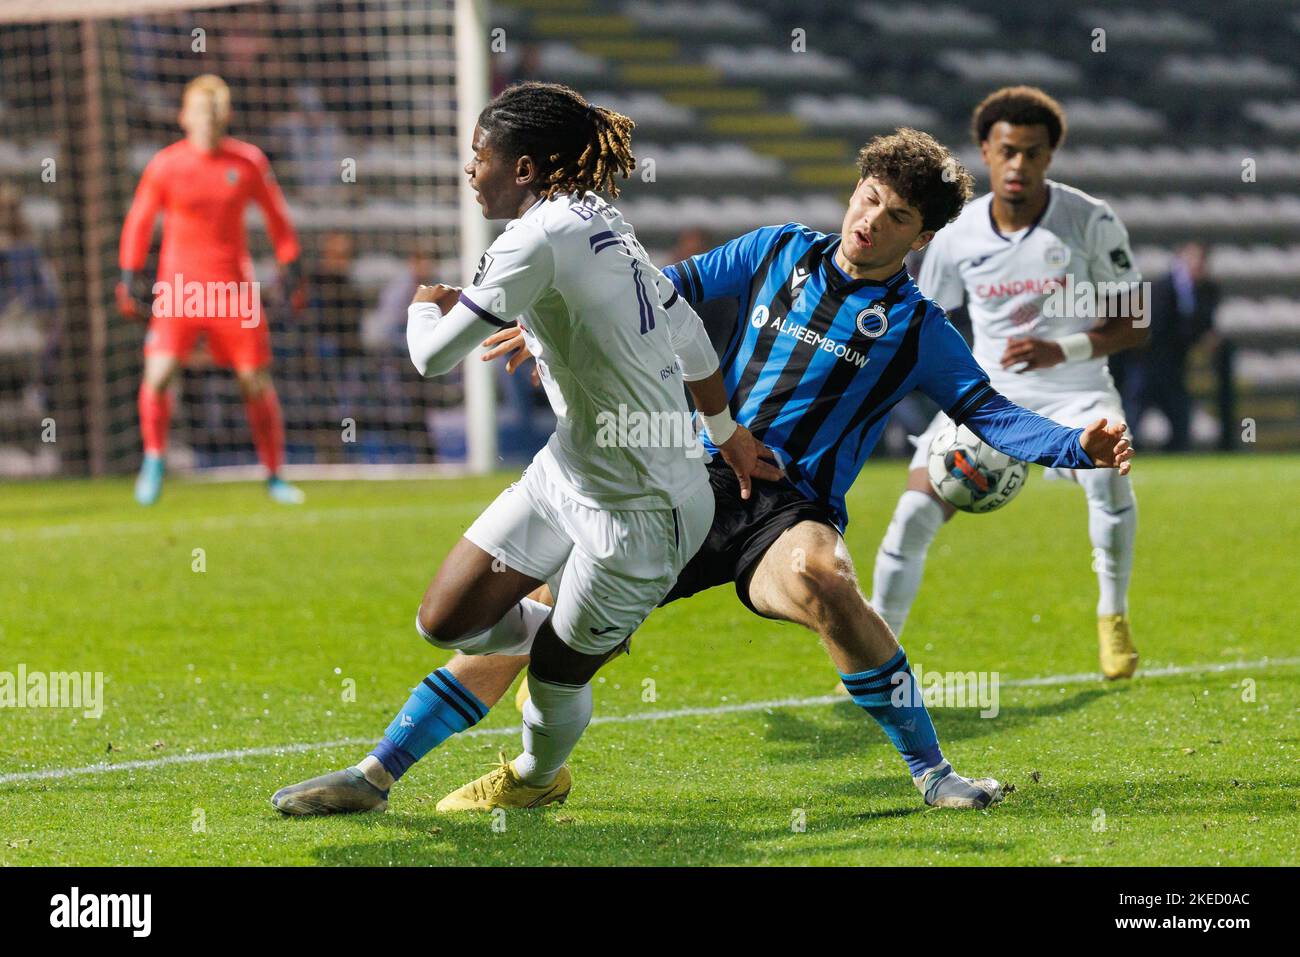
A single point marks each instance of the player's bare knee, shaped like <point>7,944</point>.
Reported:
<point>919,481</point>
<point>252,382</point>
<point>842,605</point>
<point>824,589</point>
<point>159,372</point>
<point>435,625</point>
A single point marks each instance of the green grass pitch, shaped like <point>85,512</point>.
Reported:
<point>296,606</point>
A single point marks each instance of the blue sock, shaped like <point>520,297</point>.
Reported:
<point>890,695</point>
<point>439,707</point>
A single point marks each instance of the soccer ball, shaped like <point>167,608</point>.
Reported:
<point>970,475</point>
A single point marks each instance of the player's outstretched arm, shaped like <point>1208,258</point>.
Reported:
<point>1028,436</point>
<point>951,376</point>
<point>748,457</point>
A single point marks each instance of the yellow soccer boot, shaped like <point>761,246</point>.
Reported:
<point>501,787</point>
<point>1119,658</point>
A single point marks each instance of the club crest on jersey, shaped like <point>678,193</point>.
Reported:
<point>758,317</point>
<point>873,322</point>
<point>484,264</point>
<point>1056,255</point>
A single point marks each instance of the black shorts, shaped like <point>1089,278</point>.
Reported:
<point>742,531</point>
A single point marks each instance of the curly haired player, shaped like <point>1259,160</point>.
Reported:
<point>607,525</point>
<point>1022,258</point>
<point>832,334</point>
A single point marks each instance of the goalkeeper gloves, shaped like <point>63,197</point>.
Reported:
<point>134,295</point>
<point>292,288</point>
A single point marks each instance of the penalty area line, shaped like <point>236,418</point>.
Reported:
<point>236,754</point>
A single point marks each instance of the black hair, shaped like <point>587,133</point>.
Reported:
<point>578,147</point>
<point>1019,106</point>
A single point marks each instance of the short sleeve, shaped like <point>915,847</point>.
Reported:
<point>516,271</point>
<point>726,270</point>
<point>1110,255</point>
<point>939,279</point>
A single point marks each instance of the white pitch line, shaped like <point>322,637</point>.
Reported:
<point>644,716</point>
<point>233,521</point>
<point>1153,672</point>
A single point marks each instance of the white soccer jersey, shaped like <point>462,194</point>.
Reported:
<point>592,309</point>
<point>1028,284</point>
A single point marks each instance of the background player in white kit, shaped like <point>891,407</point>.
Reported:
<point>607,525</point>
<point>1022,259</point>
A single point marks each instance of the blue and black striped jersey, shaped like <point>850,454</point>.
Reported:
<point>818,359</point>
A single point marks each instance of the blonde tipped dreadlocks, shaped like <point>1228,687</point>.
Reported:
<point>578,146</point>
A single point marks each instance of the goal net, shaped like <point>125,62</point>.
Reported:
<point>361,107</point>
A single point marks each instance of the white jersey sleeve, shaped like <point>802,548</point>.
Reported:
<point>1110,256</point>
<point>940,279</point>
<point>690,340</point>
<point>437,342</point>
<point>517,269</point>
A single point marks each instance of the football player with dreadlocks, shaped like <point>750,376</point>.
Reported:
<point>606,517</point>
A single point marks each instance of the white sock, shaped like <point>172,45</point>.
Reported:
<point>512,635</point>
<point>1112,527</point>
<point>900,561</point>
<point>554,719</point>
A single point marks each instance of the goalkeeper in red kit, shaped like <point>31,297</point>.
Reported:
<point>203,184</point>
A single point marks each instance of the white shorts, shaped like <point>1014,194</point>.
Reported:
<point>607,569</point>
<point>1073,409</point>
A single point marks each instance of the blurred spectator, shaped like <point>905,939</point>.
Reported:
<point>336,303</point>
<point>691,241</point>
<point>1182,313</point>
<point>507,69</point>
<point>384,330</point>
<point>29,315</point>
<point>397,385</point>
<point>324,350</point>
<point>313,141</point>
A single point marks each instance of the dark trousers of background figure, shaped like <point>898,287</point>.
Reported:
<point>1164,387</point>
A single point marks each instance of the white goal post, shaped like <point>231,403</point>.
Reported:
<point>471,97</point>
